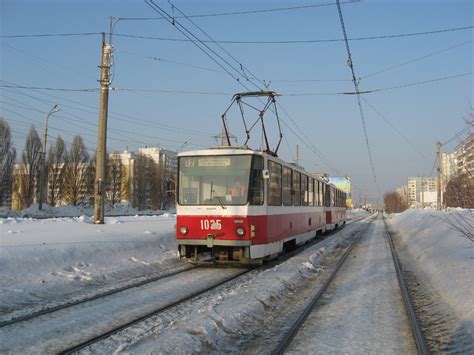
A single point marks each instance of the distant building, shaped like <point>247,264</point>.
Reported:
<point>419,185</point>
<point>465,157</point>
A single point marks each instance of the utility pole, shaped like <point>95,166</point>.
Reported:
<point>99,186</point>
<point>438,169</point>
<point>42,173</point>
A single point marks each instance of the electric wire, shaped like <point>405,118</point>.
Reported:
<point>417,59</point>
<point>389,68</point>
<point>312,147</point>
<point>196,41</point>
<point>242,67</point>
<point>326,40</point>
<point>216,93</point>
<point>247,12</point>
<point>456,135</point>
<point>169,61</point>
<point>37,35</point>
<point>371,91</point>
<point>114,115</point>
<point>394,128</point>
<point>356,86</point>
<point>114,131</point>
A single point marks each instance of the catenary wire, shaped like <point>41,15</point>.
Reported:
<point>356,86</point>
<point>326,40</point>
<point>394,128</point>
<point>247,12</point>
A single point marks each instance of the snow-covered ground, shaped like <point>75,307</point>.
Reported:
<point>443,253</point>
<point>44,261</point>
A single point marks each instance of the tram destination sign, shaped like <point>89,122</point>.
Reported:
<point>214,161</point>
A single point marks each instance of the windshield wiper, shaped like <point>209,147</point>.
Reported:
<point>217,197</point>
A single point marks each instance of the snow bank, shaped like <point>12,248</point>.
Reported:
<point>61,256</point>
<point>443,253</point>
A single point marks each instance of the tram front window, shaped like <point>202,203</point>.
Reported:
<point>214,180</point>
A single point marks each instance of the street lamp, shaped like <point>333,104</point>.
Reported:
<point>182,146</point>
<point>54,109</point>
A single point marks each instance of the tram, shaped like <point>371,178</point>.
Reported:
<point>242,205</point>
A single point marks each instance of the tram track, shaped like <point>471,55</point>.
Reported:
<point>153,313</point>
<point>131,323</point>
<point>68,304</point>
<point>89,322</point>
<point>293,330</point>
<point>414,325</point>
<point>118,322</point>
<point>288,337</point>
<point>97,339</point>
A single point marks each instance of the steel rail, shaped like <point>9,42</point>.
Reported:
<point>128,324</point>
<point>162,309</point>
<point>291,333</point>
<point>162,275</point>
<point>415,327</point>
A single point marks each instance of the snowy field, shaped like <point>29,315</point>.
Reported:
<point>44,261</point>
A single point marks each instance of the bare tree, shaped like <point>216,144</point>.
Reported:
<point>142,182</point>
<point>114,178</point>
<point>76,173</point>
<point>7,162</point>
<point>57,156</point>
<point>31,159</point>
<point>157,190</point>
<point>394,203</point>
<point>460,192</point>
<point>91,180</point>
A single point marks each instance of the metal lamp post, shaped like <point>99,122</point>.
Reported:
<point>43,156</point>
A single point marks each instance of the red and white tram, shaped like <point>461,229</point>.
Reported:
<point>237,204</point>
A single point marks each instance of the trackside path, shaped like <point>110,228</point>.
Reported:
<point>363,311</point>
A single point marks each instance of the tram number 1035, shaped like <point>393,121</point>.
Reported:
<point>214,224</point>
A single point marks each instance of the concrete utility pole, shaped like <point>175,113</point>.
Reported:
<point>99,188</point>
<point>438,169</point>
<point>43,159</point>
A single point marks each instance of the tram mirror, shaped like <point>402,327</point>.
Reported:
<point>265,174</point>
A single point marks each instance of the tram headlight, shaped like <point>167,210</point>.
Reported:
<point>240,231</point>
<point>183,230</point>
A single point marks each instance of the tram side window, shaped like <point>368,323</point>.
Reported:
<point>274,184</point>
<point>320,194</point>
<point>311,192</point>
<point>287,178</point>
<point>297,188</point>
<point>327,195</point>
<point>256,181</point>
<point>304,190</point>
<point>316,189</point>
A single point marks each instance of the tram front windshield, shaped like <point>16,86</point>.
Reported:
<point>214,180</point>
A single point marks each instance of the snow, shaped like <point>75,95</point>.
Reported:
<point>444,254</point>
<point>45,261</point>
<point>366,289</point>
<point>46,258</point>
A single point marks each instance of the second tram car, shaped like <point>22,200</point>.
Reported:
<point>242,205</point>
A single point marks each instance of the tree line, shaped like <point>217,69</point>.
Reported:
<point>69,174</point>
